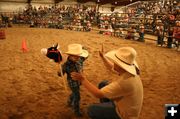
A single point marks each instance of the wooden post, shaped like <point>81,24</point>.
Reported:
<point>64,80</point>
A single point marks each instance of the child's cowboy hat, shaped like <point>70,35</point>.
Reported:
<point>125,58</point>
<point>76,49</point>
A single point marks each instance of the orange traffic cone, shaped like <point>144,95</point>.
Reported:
<point>24,47</point>
<point>2,34</point>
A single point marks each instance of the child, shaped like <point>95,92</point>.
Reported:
<point>141,33</point>
<point>74,63</point>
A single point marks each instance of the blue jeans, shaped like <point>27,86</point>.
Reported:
<point>74,100</point>
<point>103,110</point>
<point>101,85</point>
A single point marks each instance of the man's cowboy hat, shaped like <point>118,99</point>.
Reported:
<point>76,49</point>
<point>125,58</point>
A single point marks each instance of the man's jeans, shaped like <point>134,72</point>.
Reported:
<point>103,110</point>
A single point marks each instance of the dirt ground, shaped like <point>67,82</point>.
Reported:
<point>31,89</point>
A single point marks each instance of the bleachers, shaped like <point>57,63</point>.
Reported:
<point>126,25</point>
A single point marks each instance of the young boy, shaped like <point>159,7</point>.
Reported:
<point>76,57</point>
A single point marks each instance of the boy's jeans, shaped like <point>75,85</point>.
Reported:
<point>102,111</point>
<point>74,100</point>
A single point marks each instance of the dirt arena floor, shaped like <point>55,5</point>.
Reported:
<point>31,89</point>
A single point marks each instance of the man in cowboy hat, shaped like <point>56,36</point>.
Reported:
<point>76,57</point>
<point>125,92</point>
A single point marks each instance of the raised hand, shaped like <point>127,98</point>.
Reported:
<point>101,53</point>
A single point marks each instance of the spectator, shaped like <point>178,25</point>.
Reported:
<point>176,35</point>
<point>170,38</point>
<point>159,35</point>
<point>141,33</point>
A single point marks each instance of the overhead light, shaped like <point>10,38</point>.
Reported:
<point>98,0</point>
<point>130,0</point>
<point>175,2</point>
<point>115,2</point>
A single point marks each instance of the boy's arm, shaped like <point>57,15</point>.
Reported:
<point>83,59</point>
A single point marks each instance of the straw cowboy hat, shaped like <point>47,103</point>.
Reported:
<point>125,58</point>
<point>77,49</point>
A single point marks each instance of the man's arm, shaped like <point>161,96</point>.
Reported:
<point>106,61</point>
<point>88,85</point>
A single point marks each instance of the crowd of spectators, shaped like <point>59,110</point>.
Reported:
<point>57,16</point>
<point>158,18</point>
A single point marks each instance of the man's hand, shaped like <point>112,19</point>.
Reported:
<point>101,53</point>
<point>77,76</point>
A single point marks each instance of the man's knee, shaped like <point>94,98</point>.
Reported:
<point>103,83</point>
<point>90,111</point>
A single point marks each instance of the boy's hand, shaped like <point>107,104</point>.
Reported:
<point>59,73</point>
